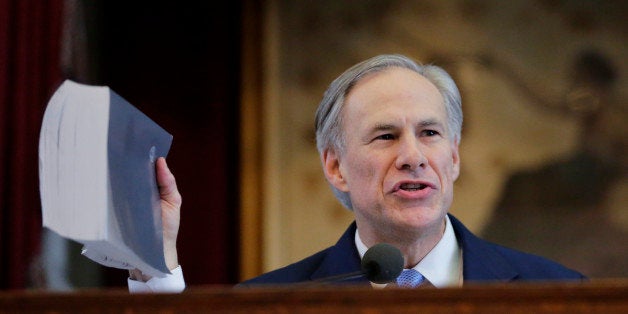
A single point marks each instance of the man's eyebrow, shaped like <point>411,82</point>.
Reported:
<point>428,122</point>
<point>390,126</point>
<point>383,127</point>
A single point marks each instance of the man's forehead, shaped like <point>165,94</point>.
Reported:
<point>391,85</point>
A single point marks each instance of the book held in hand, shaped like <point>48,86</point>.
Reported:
<point>97,178</point>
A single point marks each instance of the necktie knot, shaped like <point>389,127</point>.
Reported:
<point>410,278</point>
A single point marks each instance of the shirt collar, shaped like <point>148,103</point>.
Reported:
<point>442,266</point>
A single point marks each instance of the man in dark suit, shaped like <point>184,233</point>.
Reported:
<point>388,131</point>
<point>481,262</point>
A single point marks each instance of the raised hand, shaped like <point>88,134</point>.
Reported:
<point>170,211</point>
<point>170,216</point>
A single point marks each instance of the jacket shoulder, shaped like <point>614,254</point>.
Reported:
<point>534,267</point>
<point>300,271</point>
<point>485,261</point>
<point>338,259</point>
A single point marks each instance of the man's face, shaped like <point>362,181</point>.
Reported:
<point>399,162</point>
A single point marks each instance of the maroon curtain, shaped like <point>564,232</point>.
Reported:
<point>29,71</point>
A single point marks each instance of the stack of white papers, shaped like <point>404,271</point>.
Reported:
<point>97,177</point>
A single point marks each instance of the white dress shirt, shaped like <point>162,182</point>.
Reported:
<point>172,283</point>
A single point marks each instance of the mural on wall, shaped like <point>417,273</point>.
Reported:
<point>570,208</point>
<point>545,134</point>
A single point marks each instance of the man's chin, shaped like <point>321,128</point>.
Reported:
<point>422,221</point>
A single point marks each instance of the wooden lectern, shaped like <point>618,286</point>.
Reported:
<point>591,297</point>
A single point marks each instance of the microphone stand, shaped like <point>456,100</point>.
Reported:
<point>341,277</point>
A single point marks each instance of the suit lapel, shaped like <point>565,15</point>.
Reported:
<point>480,261</point>
<point>342,258</point>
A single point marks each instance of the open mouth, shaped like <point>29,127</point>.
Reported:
<point>412,186</point>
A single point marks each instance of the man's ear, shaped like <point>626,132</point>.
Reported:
<point>455,155</point>
<point>332,169</point>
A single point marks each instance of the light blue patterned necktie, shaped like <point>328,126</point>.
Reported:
<point>410,278</point>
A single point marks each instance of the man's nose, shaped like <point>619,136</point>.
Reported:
<point>410,155</point>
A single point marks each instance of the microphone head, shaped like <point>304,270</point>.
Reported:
<point>382,263</point>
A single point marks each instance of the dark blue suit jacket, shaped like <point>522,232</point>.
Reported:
<point>482,261</point>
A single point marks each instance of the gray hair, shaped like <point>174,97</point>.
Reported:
<point>328,122</point>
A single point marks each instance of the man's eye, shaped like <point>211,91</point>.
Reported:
<point>430,133</point>
<point>385,137</point>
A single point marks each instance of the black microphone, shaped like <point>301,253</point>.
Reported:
<point>382,263</point>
